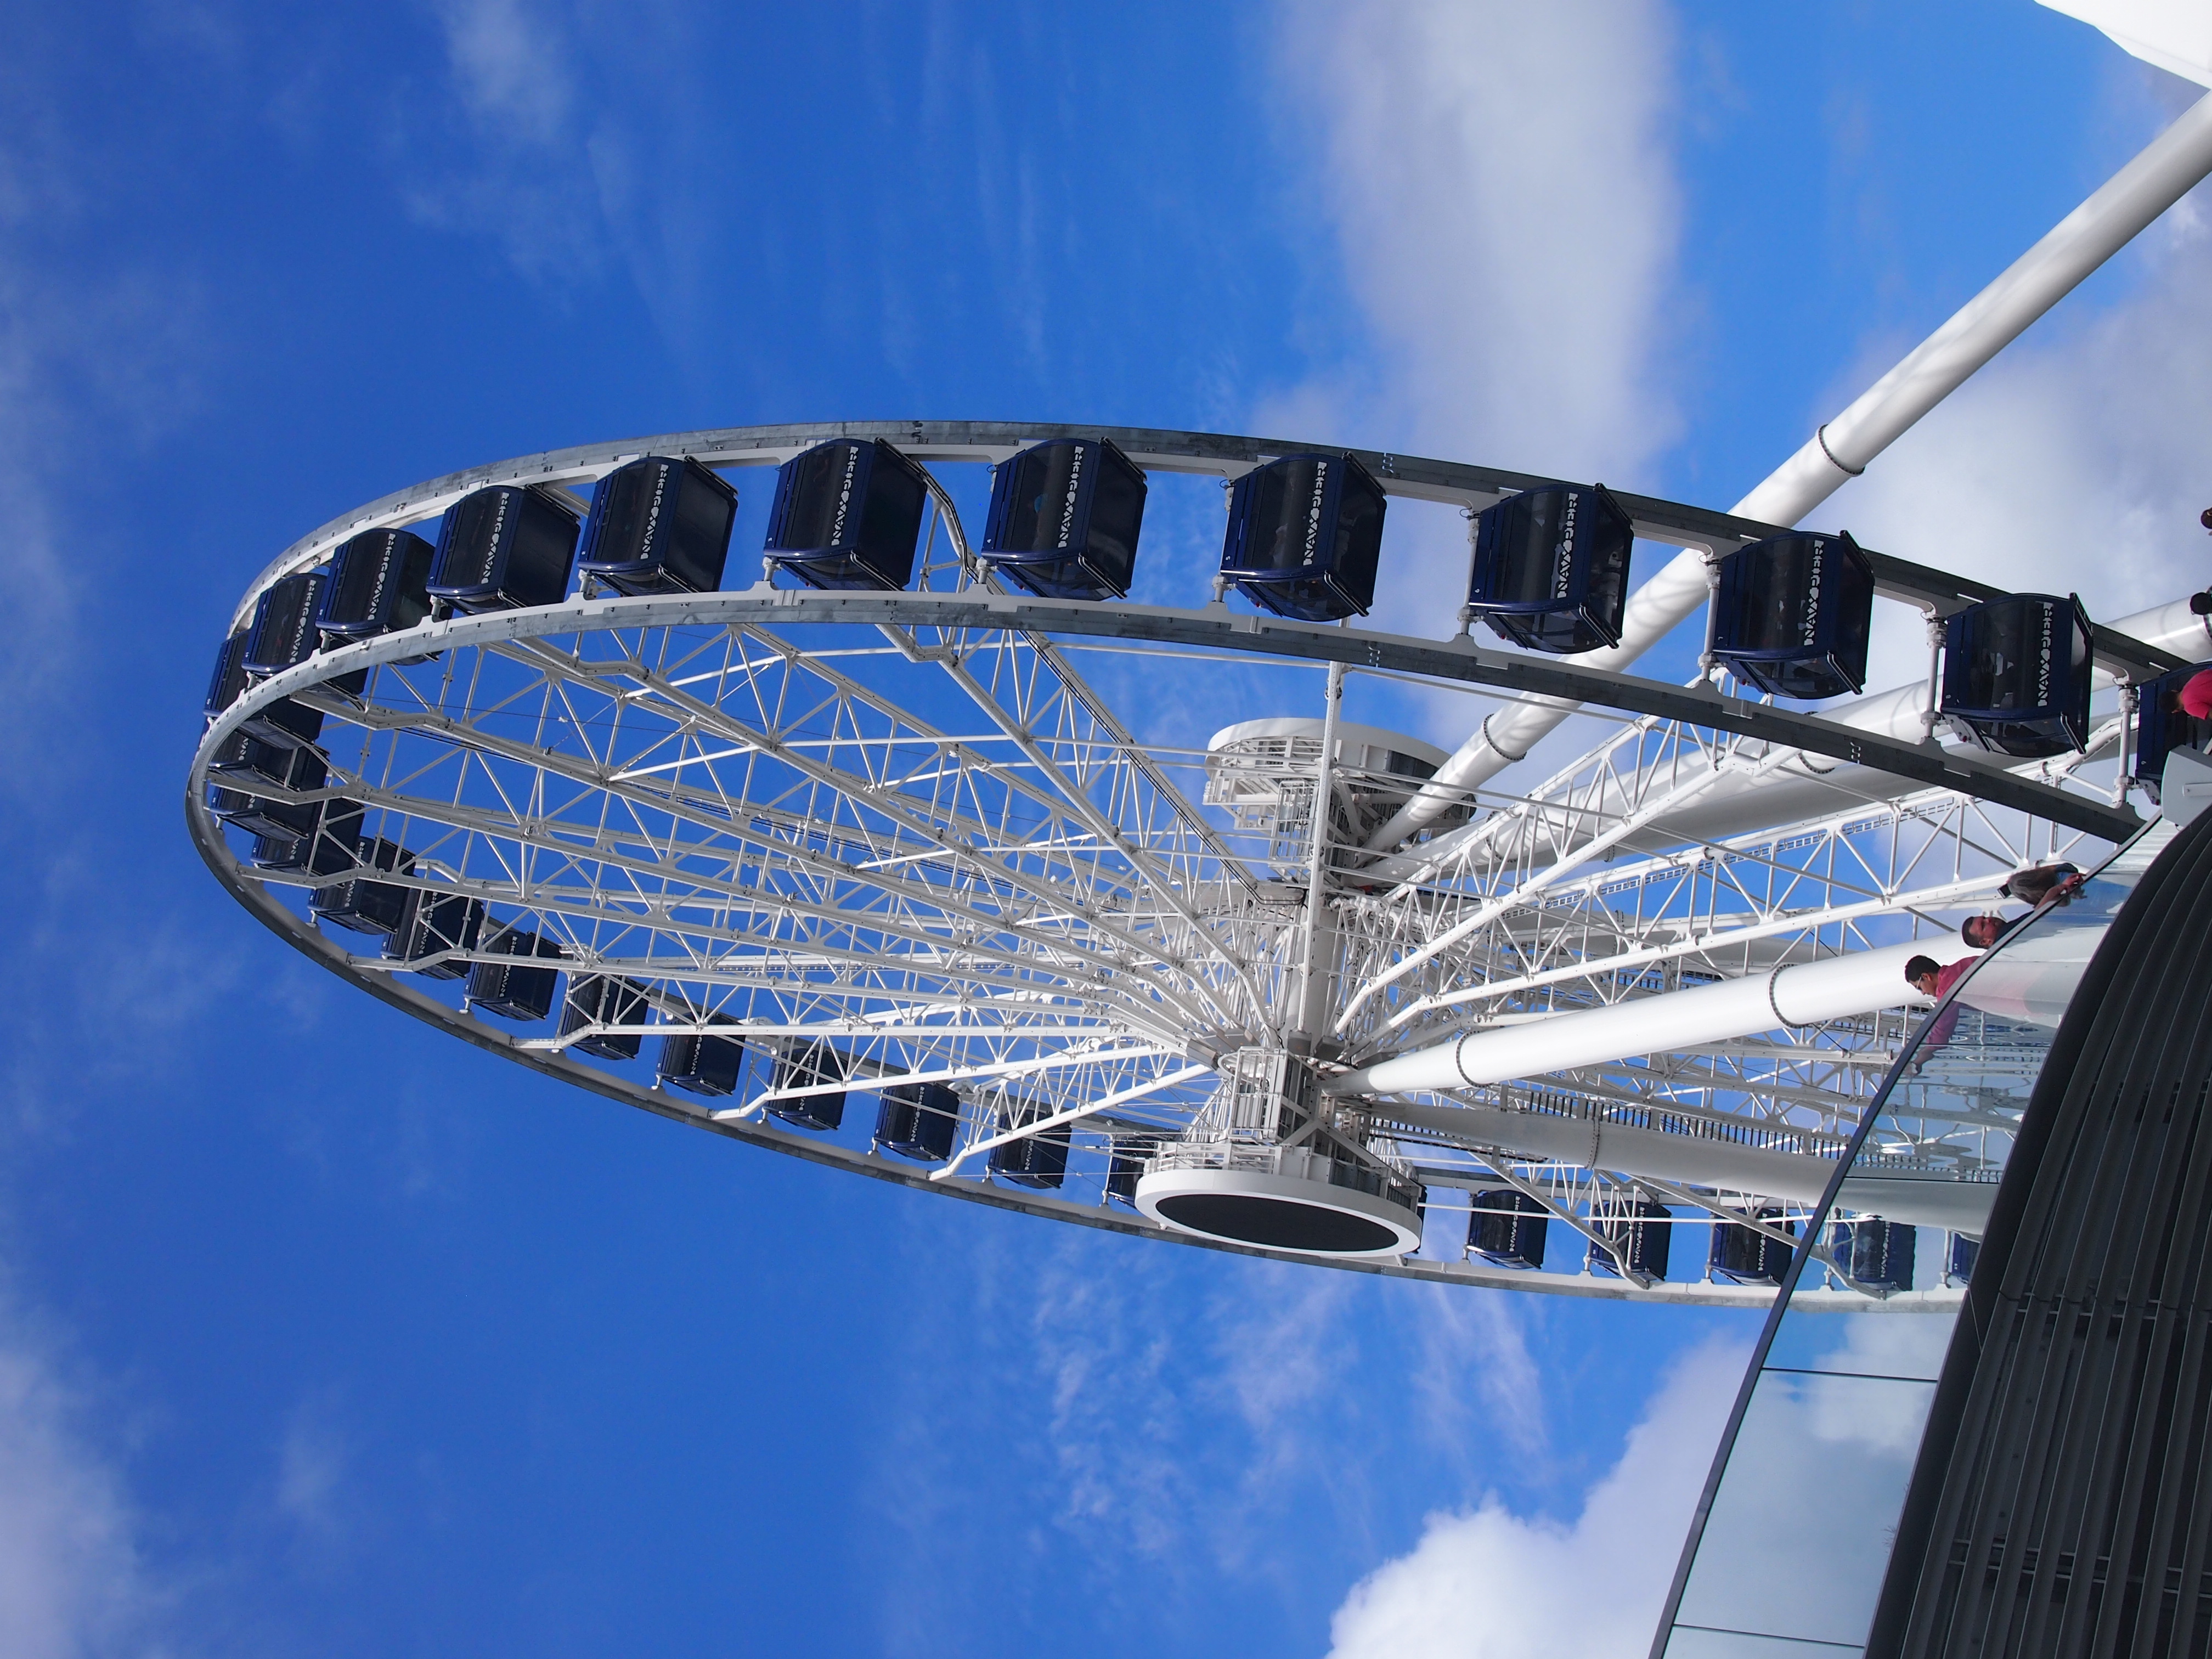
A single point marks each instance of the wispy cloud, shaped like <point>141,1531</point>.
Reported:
<point>71,1582</point>
<point>1165,1413</point>
<point>1487,1581</point>
<point>509,61</point>
<point>1500,184</point>
<point>91,364</point>
<point>2074,463</point>
<point>527,174</point>
<point>312,1465</point>
<point>1474,1361</point>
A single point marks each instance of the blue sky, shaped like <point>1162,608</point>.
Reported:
<point>322,1334</point>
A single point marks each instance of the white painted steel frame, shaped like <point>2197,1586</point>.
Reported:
<point>717,794</point>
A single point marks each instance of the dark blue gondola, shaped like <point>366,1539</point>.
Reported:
<point>807,1065</point>
<point>918,1121</point>
<point>436,923</point>
<point>284,633</point>
<point>2016,674</point>
<point>848,514</point>
<point>1875,1253</point>
<point>279,851</point>
<point>605,1000</point>
<point>363,905</point>
<point>284,723</point>
<point>243,770</point>
<point>1306,535</point>
<point>284,636</point>
<point>658,526</point>
<point>1038,1160</point>
<point>1794,613</point>
<point>229,679</point>
<point>1958,1265</point>
<point>258,815</point>
<point>324,848</point>
<point>247,759</point>
<point>1507,1227</point>
<point>330,848</point>
<point>2162,727</point>
<point>1126,1166</point>
<point>1551,568</point>
<point>228,803</point>
<point>1745,1255</point>
<point>1644,1233</point>
<point>379,584</point>
<point>515,987</point>
<point>334,847</point>
<point>1064,519</point>
<point>504,548</point>
<point>700,1064</point>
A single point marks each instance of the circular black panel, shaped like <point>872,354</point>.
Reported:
<point>1280,1223</point>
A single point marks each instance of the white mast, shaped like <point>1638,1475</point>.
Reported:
<point>2171,165</point>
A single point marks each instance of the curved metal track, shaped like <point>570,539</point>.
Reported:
<point>906,824</point>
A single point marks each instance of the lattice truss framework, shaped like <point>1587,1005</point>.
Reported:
<point>942,851</point>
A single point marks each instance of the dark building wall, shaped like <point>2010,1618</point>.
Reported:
<point>2060,1504</point>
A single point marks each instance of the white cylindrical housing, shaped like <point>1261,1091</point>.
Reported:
<point>1805,994</point>
<point>1277,1210</point>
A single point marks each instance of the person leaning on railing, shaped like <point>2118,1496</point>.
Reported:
<point>1932,979</point>
<point>2046,883</point>
<point>2194,699</point>
<point>2032,887</point>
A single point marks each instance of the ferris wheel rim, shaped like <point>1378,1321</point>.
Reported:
<point>603,614</point>
<point>1205,632</point>
<point>1215,627</point>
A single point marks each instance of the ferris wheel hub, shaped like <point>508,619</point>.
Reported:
<point>1263,770</point>
<point>1293,1206</point>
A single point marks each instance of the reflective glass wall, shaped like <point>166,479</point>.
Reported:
<point>1788,1558</point>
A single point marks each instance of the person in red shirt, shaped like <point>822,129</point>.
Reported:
<point>2195,697</point>
<point>1932,979</point>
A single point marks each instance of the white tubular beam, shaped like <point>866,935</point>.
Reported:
<point>1745,801</point>
<point>1072,1115</point>
<point>1838,988</point>
<point>1977,891</point>
<point>1529,889</point>
<point>1801,1177</point>
<point>2166,170</point>
<point>2172,627</point>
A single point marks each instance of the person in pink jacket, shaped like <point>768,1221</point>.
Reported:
<point>1932,979</point>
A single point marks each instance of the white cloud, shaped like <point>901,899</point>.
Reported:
<point>311,1468</point>
<point>1490,1582</point>
<point>1499,185</point>
<point>512,71</point>
<point>70,1581</point>
<point>530,177</point>
<point>1499,181</point>
<point>2075,462</point>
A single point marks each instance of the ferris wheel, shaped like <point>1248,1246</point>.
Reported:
<point>902,855</point>
<point>864,862</point>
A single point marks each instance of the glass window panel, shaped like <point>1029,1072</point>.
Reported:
<point>1689,1642</point>
<point>1798,1550</point>
<point>1807,1509</point>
